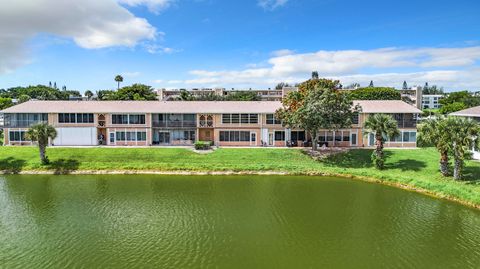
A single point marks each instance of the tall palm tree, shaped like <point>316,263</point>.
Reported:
<point>118,79</point>
<point>463,134</point>
<point>436,132</point>
<point>88,94</point>
<point>41,133</point>
<point>381,125</point>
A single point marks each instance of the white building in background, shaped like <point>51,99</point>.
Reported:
<point>472,113</point>
<point>431,101</point>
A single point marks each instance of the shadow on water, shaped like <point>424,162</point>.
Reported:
<point>11,165</point>
<point>63,166</point>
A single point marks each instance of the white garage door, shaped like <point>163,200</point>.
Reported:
<point>76,136</point>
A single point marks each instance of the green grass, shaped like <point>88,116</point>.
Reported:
<point>413,167</point>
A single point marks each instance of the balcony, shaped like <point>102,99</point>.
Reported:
<point>21,123</point>
<point>174,124</point>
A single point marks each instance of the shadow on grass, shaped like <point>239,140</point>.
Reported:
<point>407,165</point>
<point>359,158</point>
<point>11,165</point>
<point>471,175</point>
<point>63,166</point>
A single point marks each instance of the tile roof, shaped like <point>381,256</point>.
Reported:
<point>213,107</point>
<point>144,107</point>
<point>386,106</point>
<point>469,112</point>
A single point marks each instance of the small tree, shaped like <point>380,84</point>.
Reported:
<point>436,132</point>
<point>41,133</point>
<point>463,133</point>
<point>371,84</point>
<point>88,94</point>
<point>321,107</point>
<point>405,86</point>
<point>118,79</point>
<point>314,75</point>
<point>381,125</point>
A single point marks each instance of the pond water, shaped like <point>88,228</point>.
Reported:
<point>228,222</point>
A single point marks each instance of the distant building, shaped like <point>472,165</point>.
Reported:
<point>265,95</point>
<point>431,101</point>
<point>412,96</point>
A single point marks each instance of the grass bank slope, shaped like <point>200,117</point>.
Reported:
<point>415,168</point>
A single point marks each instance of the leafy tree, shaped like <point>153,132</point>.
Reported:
<point>23,98</point>
<point>281,85</point>
<point>435,132</point>
<point>39,92</point>
<point>462,97</point>
<point>106,95</point>
<point>463,134</point>
<point>314,75</point>
<point>381,125</point>
<point>5,103</point>
<point>453,107</point>
<point>432,90</point>
<point>186,95</point>
<point>371,84</point>
<point>405,86</point>
<point>41,133</point>
<point>88,94</point>
<point>375,93</point>
<point>136,92</point>
<point>317,105</point>
<point>118,79</point>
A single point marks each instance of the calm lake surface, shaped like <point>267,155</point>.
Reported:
<point>228,222</point>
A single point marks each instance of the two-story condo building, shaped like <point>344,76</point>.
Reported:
<point>152,123</point>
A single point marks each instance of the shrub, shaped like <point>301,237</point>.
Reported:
<point>203,145</point>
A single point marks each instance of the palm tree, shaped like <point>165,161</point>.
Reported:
<point>463,134</point>
<point>381,125</point>
<point>436,132</point>
<point>118,79</point>
<point>41,133</point>
<point>88,94</point>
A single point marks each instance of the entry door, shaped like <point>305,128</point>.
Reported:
<point>164,137</point>
<point>353,139</point>
<point>112,138</point>
<point>253,139</point>
<point>270,139</point>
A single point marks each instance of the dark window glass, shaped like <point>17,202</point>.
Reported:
<point>279,135</point>
<point>338,136</point>
<point>235,118</point>
<point>253,118</point>
<point>270,119</point>
<point>80,118</point>
<point>72,118</point>
<point>244,118</point>
<point>226,118</point>
<point>222,136</point>
<point>355,118</point>
<point>60,118</point>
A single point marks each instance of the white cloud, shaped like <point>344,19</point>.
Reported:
<point>131,74</point>
<point>271,4</point>
<point>282,52</point>
<point>91,24</point>
<point>450,67</point>
<point>156,49</point>
<point>154,6</point>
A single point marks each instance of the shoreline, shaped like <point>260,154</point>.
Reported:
<point>399,185</point>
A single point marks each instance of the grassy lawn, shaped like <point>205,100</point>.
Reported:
<point>414,167</point>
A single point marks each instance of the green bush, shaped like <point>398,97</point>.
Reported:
<point>203,145</point>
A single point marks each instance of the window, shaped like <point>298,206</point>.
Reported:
<point>239,118</point>
<point>279,135</point>
<point>330,136</point>
<point>17,136</point>
<point>409,136</point>
<point>355,118</point>
<point>136,119</point>
<point>75,117</point>
<point>272,120</point>
<point>298,136</point>
<point>322,137</point>
<point>131,136</point>
<point>234,136</point>
<point>338,136</point>
<point>346,136</point>
<point>128,119</point>
<point>119,119</point>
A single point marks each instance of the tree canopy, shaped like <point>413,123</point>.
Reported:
<point>138,92</point>
<point>39,92</point>
<point>456,101</point>
<point>375,93</point>
<point>317,105</point>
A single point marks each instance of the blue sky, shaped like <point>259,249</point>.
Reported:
<point>240,44</point>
